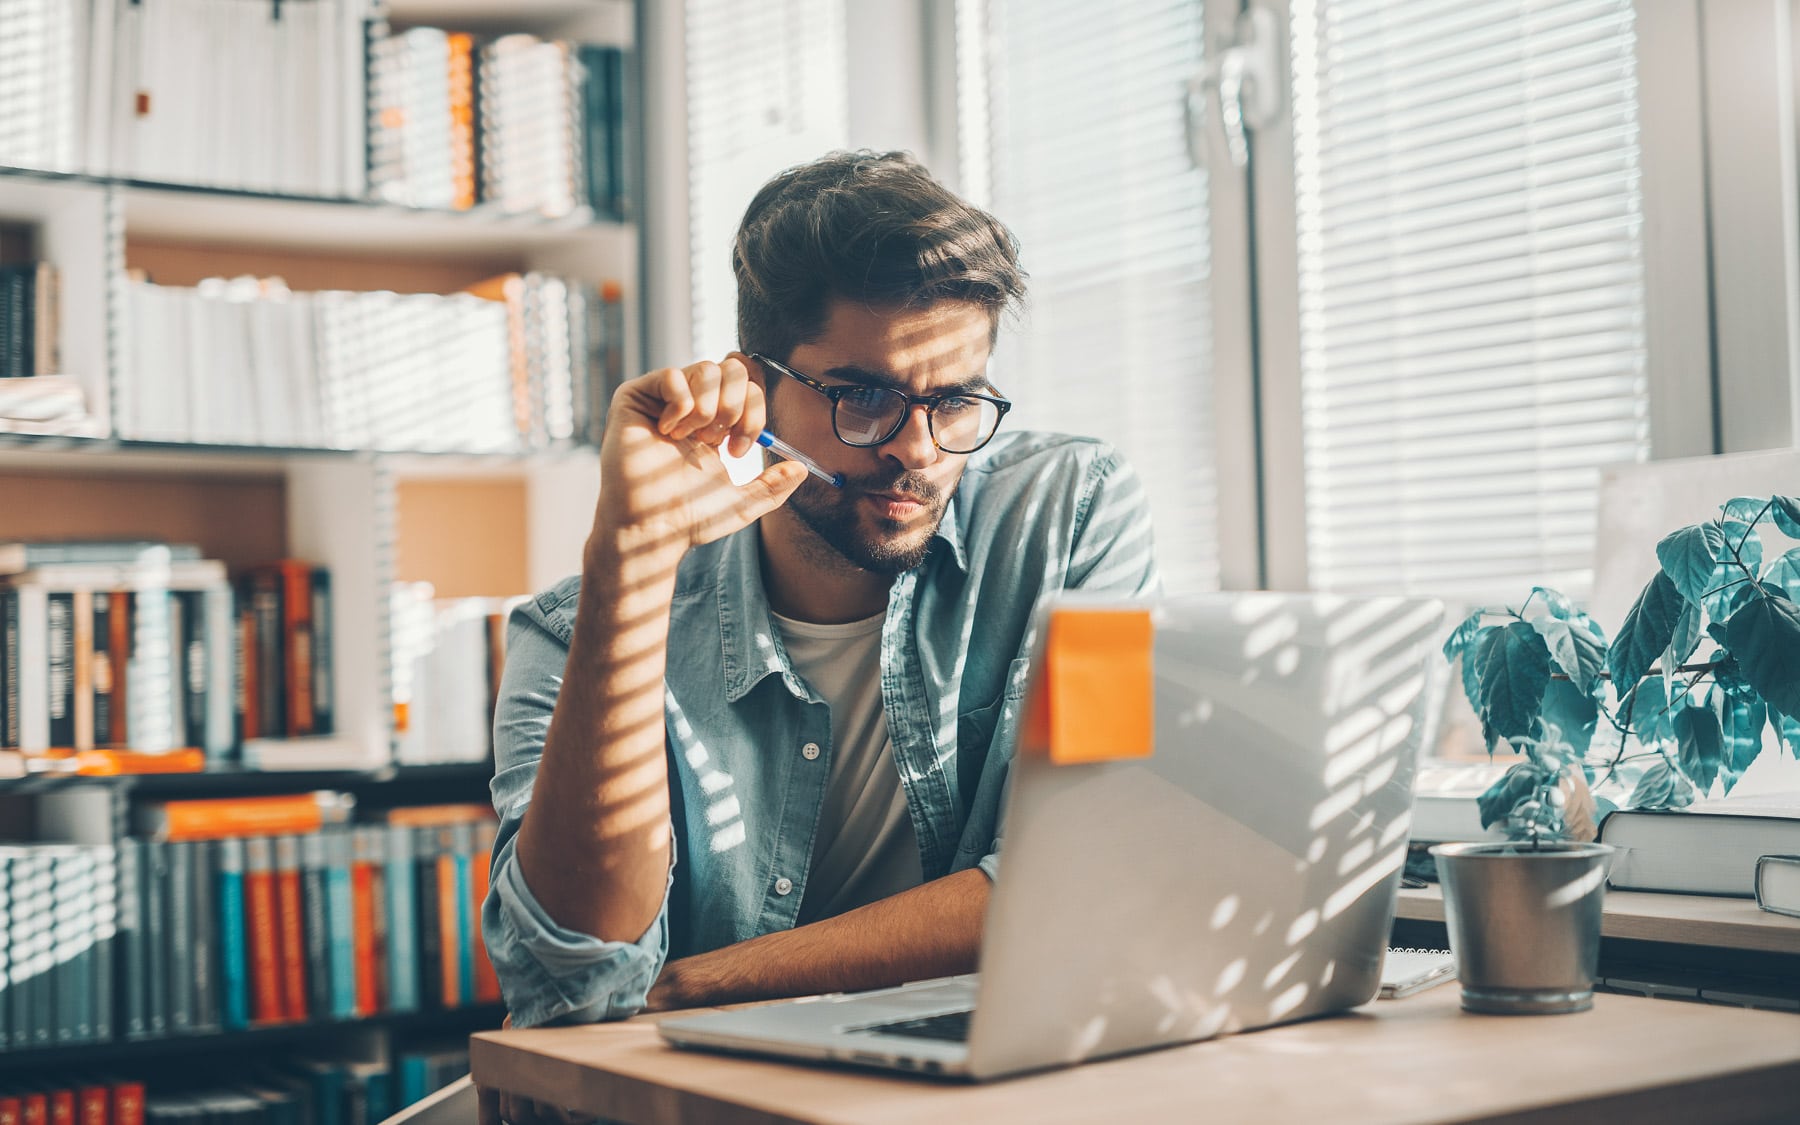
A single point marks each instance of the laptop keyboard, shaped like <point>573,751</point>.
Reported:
<point>951,1027</point>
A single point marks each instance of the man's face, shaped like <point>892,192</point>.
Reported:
<point>895,493</point>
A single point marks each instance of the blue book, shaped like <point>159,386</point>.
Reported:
<point>462,847</point>
<point>340,922</point>
<point>415,1077</point>
<point>403,924</point>
<point>234,944</point>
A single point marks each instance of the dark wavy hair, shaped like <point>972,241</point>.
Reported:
<point>870,227</point>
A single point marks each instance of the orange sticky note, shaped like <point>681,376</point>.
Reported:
<point>1095,697</point>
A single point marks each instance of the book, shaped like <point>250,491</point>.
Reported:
<point>21,556</point>
<point>1778,884</point>
<point>340,920</point>
<point>180,967</point>
<point>266,1002</point>
<point>290,916</point>
<point>317,929</point>
<point>154,870</point>
<point>1710,848</point>
<point>363,909</point>
<point>215,817</point>
<point>234,950</point>
<point>1444,802</point>
<point>131,966</point>
<point>1406,971</point>
<point>401,902</point>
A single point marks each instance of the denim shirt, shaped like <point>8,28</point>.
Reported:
<point>749,742</point>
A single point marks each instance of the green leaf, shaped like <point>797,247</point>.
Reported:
<point>1787,515</point>
<point>1514,788</point>
<point>1790,734</point>
<point>1515,669</point>
<point>1651,716</point>
<point>1784,572</point>
<point>1746,547</point>
<point>1700,746</point>
<point>1574,649</point>
<point>1731,589</point>
<point>1463,634</point>
<point>1689,555</point>
<point>1686,638</point>
<point>1662,787</point>
<point>1747,509</point>
<point>1741,714</point>
<point>1646,633</point>
<point>1567,720</point>
<point>1764,636</point>
<point>1560,607</point>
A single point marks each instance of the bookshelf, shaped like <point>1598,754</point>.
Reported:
<point>491,521</point>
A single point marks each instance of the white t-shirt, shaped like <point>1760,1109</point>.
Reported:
<point>865,848</point>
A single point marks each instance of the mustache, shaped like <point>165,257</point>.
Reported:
<point>916,485</point>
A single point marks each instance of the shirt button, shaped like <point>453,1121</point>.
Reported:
<point>784,886</point>
<point>810,751</point>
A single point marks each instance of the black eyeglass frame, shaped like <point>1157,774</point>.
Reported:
<point>929,402</point>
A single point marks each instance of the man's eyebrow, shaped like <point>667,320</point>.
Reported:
<point>974,384</point>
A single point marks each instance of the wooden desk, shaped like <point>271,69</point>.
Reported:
<point>1414,1060</point>
<point>1723,923</point>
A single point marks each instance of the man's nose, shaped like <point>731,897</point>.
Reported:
<point>912,446</point>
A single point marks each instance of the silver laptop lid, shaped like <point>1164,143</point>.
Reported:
<point>1245,873</point>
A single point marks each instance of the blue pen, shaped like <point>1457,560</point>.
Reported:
<point>775,445</point>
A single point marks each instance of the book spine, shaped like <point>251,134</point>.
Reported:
<point>178,963</point>
<point>34,1107</point>
<point>431,947</point>
<point>62,1105</point>
<point>296,603</point>
<point>132,965</point>
<point>403,923</point>
<point>9,668</point>
<point>487,982</point>
<point>221,669</point>
<point>156,937</point>
<point>106,940</point>
<point>119,654</point>
<point>317,928</point>
<point>204,953</point>
<point>151,695</point>
<point>362,891</point>
<point>194,671</point>
<point>10,1110</point>
<point>33,715</point>
<point>100,673</point>
<point>8,966</point>
<point>60,613</point>
<point>378,892</point>
<point>91,1104</point>
<point>128,1103</point>
<point>340,917</point>
<point>271,665</point>
<point>81,619</point>
<point>291,914</point>
<point>265,958</point>
<point>247,692</point>
<point>234,949</point>
<point>453,916</point>
<point>323,696</point>
<point>211,818</point>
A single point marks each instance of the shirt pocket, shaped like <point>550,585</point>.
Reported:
<point>975,730</point>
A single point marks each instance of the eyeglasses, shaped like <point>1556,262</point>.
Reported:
<point>863,415</point>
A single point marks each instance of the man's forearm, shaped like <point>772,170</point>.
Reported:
<point>930,931</point>
<point>594,845</point>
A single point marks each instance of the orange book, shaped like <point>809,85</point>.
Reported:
<point>34,1108</point>
<point>215,817</point>
<point>112,763</point>
<point>118,654</point>
<point>487,983</point>
<point>362,923</point>
<point>462,119</point>
<point>247,684</point>
<point>266,1003</point>
<point>437,816</point>
<point>91,1105</point>
<point>128,1103</point>
<point>290,916</point>
<point>62,1107</point>
<point>449,933</point>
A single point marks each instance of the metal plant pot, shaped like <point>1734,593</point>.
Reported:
<point>1524,923</point>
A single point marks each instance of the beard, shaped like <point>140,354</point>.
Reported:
<point>832,515</point>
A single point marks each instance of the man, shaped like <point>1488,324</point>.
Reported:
<point>757,747</point>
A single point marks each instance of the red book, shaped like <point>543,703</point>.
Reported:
<point>362,924</point>
<point>91,1105</point>
<point>290,918</point>
<point>128,1103</point>
<point>34,1108</point>
<point>487,984</point>
<point>118,653</point>
<point>11,1111</point>
<point>449,933</point>
<point>266,1005</point>
<point>62,1107</point>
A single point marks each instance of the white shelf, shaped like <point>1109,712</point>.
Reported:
<point>605,21</point>
<point>200,216</point>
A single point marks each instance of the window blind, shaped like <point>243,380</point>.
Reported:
<point>1071,129</point>
<point>767,90</point>
<point>1471,287</point>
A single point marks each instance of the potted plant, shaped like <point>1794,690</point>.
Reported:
<point>1645,713</point>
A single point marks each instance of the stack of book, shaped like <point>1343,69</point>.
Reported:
<point>64,1099</point>
<point>547,116</point>
<point>448,655</point>
<point>284,672</point>
<point>126,645</point>
<point>519,361</point>
<point>134,89</point>
<point>230,913</point>
<point>28,319</point>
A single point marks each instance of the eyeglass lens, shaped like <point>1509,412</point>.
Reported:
<point>871,415</point>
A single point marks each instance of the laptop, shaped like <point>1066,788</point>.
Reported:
<point>1242,875</point>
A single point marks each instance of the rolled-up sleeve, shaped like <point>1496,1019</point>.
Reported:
<point>548,973</point>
